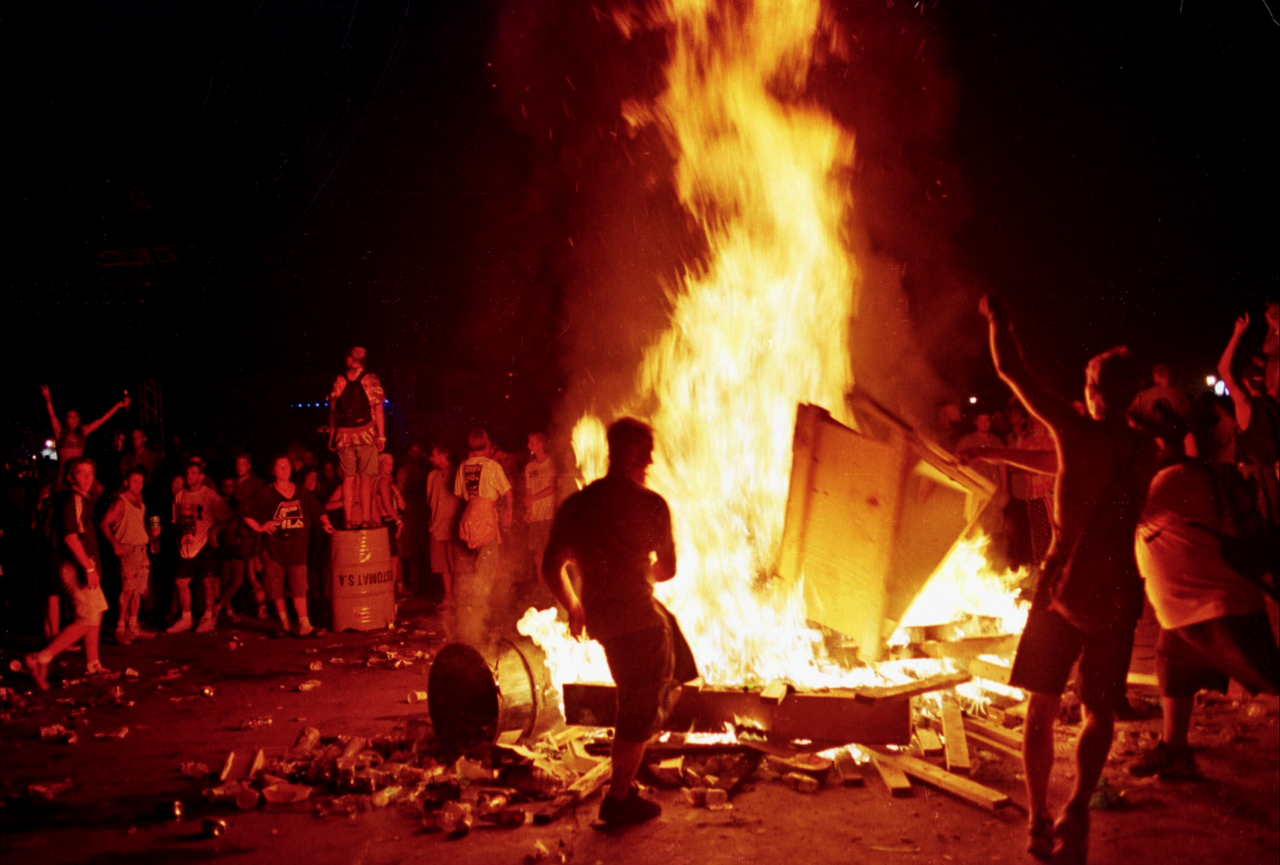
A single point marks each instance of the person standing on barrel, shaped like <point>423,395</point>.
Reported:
<point>357,434</point>
<point>617,535</point>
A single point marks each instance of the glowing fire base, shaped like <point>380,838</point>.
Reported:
<point>836,717</point>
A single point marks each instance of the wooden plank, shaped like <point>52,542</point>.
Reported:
<point>847,769</point>
<point>930,774</point>
<point>578,790</point>
<point>1148,679</point>
<point>894,778</point>
<point>1009,738</point>
<point>825,718</point>
<point>998,748</point>
<point>991,672</point>
<point>930,744</point>
<point>957,747</point>
<point>969,648</point>
<point>774,692</point>
<point>914,689</point>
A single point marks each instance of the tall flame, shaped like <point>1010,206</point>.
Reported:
<point>759,326</point>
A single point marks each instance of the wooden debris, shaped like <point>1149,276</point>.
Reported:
<point>894,778</point>
<point>930,774</point>
<point>930,744</point>
<point>990,671</point>
<point>957,746</point>
<point>847,769</point>
<point>1148,679</point>
<point>774,692</point>
<point>801,782</point>
<point>578,790</point>
<point>998,748</point>
<point>969,648</point>
<point>738,770</point>
<point>914,689</point>
<point>806,764</point>
<point>1008,738</point>
<point>669,771</point>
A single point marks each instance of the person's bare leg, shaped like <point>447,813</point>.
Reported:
<point>92,656</point>
<point>348,500</point>
<point>1037,750</point>
<point>627,757</point>
<point>1177,720</point>
<point>366,498</point>
<point>66,638</point>
<point>282,612</point>
<point>52,616</point>
<point>184,622</point>
<point>1092,748</point>
<point>304,621</point>
<point>234,582</point>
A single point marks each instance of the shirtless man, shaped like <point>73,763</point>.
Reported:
<point>1090,596</point>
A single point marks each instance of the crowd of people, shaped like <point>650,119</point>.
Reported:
<point>1137,491</point>
<point>187,549</point>
<point>1150,491</point>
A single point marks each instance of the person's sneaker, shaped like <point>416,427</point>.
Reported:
<point>262,611</point>
<point>140,633</point>
<point>207,624</point>
<point>96,669</point>
<point>183,624</point>
<point>631,809</point>
<point>1166,762</point>
<point>305,629</point>
<point>232,616</point>
<point>123,637</point>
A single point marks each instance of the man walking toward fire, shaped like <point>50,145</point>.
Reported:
<point>1089,598</point>
<point>357,433</point>
<point>617,535</point>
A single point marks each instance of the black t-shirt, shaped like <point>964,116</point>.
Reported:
<point>610,528</point>
<point>73,515</point>
<point>299,516</point>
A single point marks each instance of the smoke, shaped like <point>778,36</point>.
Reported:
<point>602,221</point>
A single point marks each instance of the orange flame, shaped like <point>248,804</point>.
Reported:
<point>760,325</point>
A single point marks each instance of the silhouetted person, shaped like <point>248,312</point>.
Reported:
<point>617,535</point>
<point>1090,596</point>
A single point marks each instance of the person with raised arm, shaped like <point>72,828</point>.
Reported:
<point>1089,599</point>
<point>70,435</point>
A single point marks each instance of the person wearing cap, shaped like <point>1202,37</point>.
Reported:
<point>357,434</point>
<point>199,514</point>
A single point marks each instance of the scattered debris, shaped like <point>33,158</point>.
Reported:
<point>309,685</point>
<point>51,789</point>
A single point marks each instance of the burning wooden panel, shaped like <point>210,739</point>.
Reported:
<point>871,514</point>
<point>834,717</point>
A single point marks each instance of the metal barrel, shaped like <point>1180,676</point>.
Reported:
<point>364,583</point>
<point>475,700</point>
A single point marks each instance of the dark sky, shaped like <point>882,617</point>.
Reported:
<point>413,176</point>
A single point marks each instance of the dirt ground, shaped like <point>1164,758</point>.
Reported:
<point>110,813</point>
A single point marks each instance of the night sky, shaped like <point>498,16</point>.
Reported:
<point>446,182</point>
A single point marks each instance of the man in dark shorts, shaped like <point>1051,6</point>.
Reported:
<point>79,569</point>
<point>1089,598</point>
<point>617,535</point>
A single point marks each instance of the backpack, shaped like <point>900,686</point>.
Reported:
<point>479,524</point>
<point>352,408</point>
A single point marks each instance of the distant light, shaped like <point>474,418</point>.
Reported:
<point>973,400</point>
<point>1221,389</point>
<point>49,443</point>
<point>1211,380</point>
